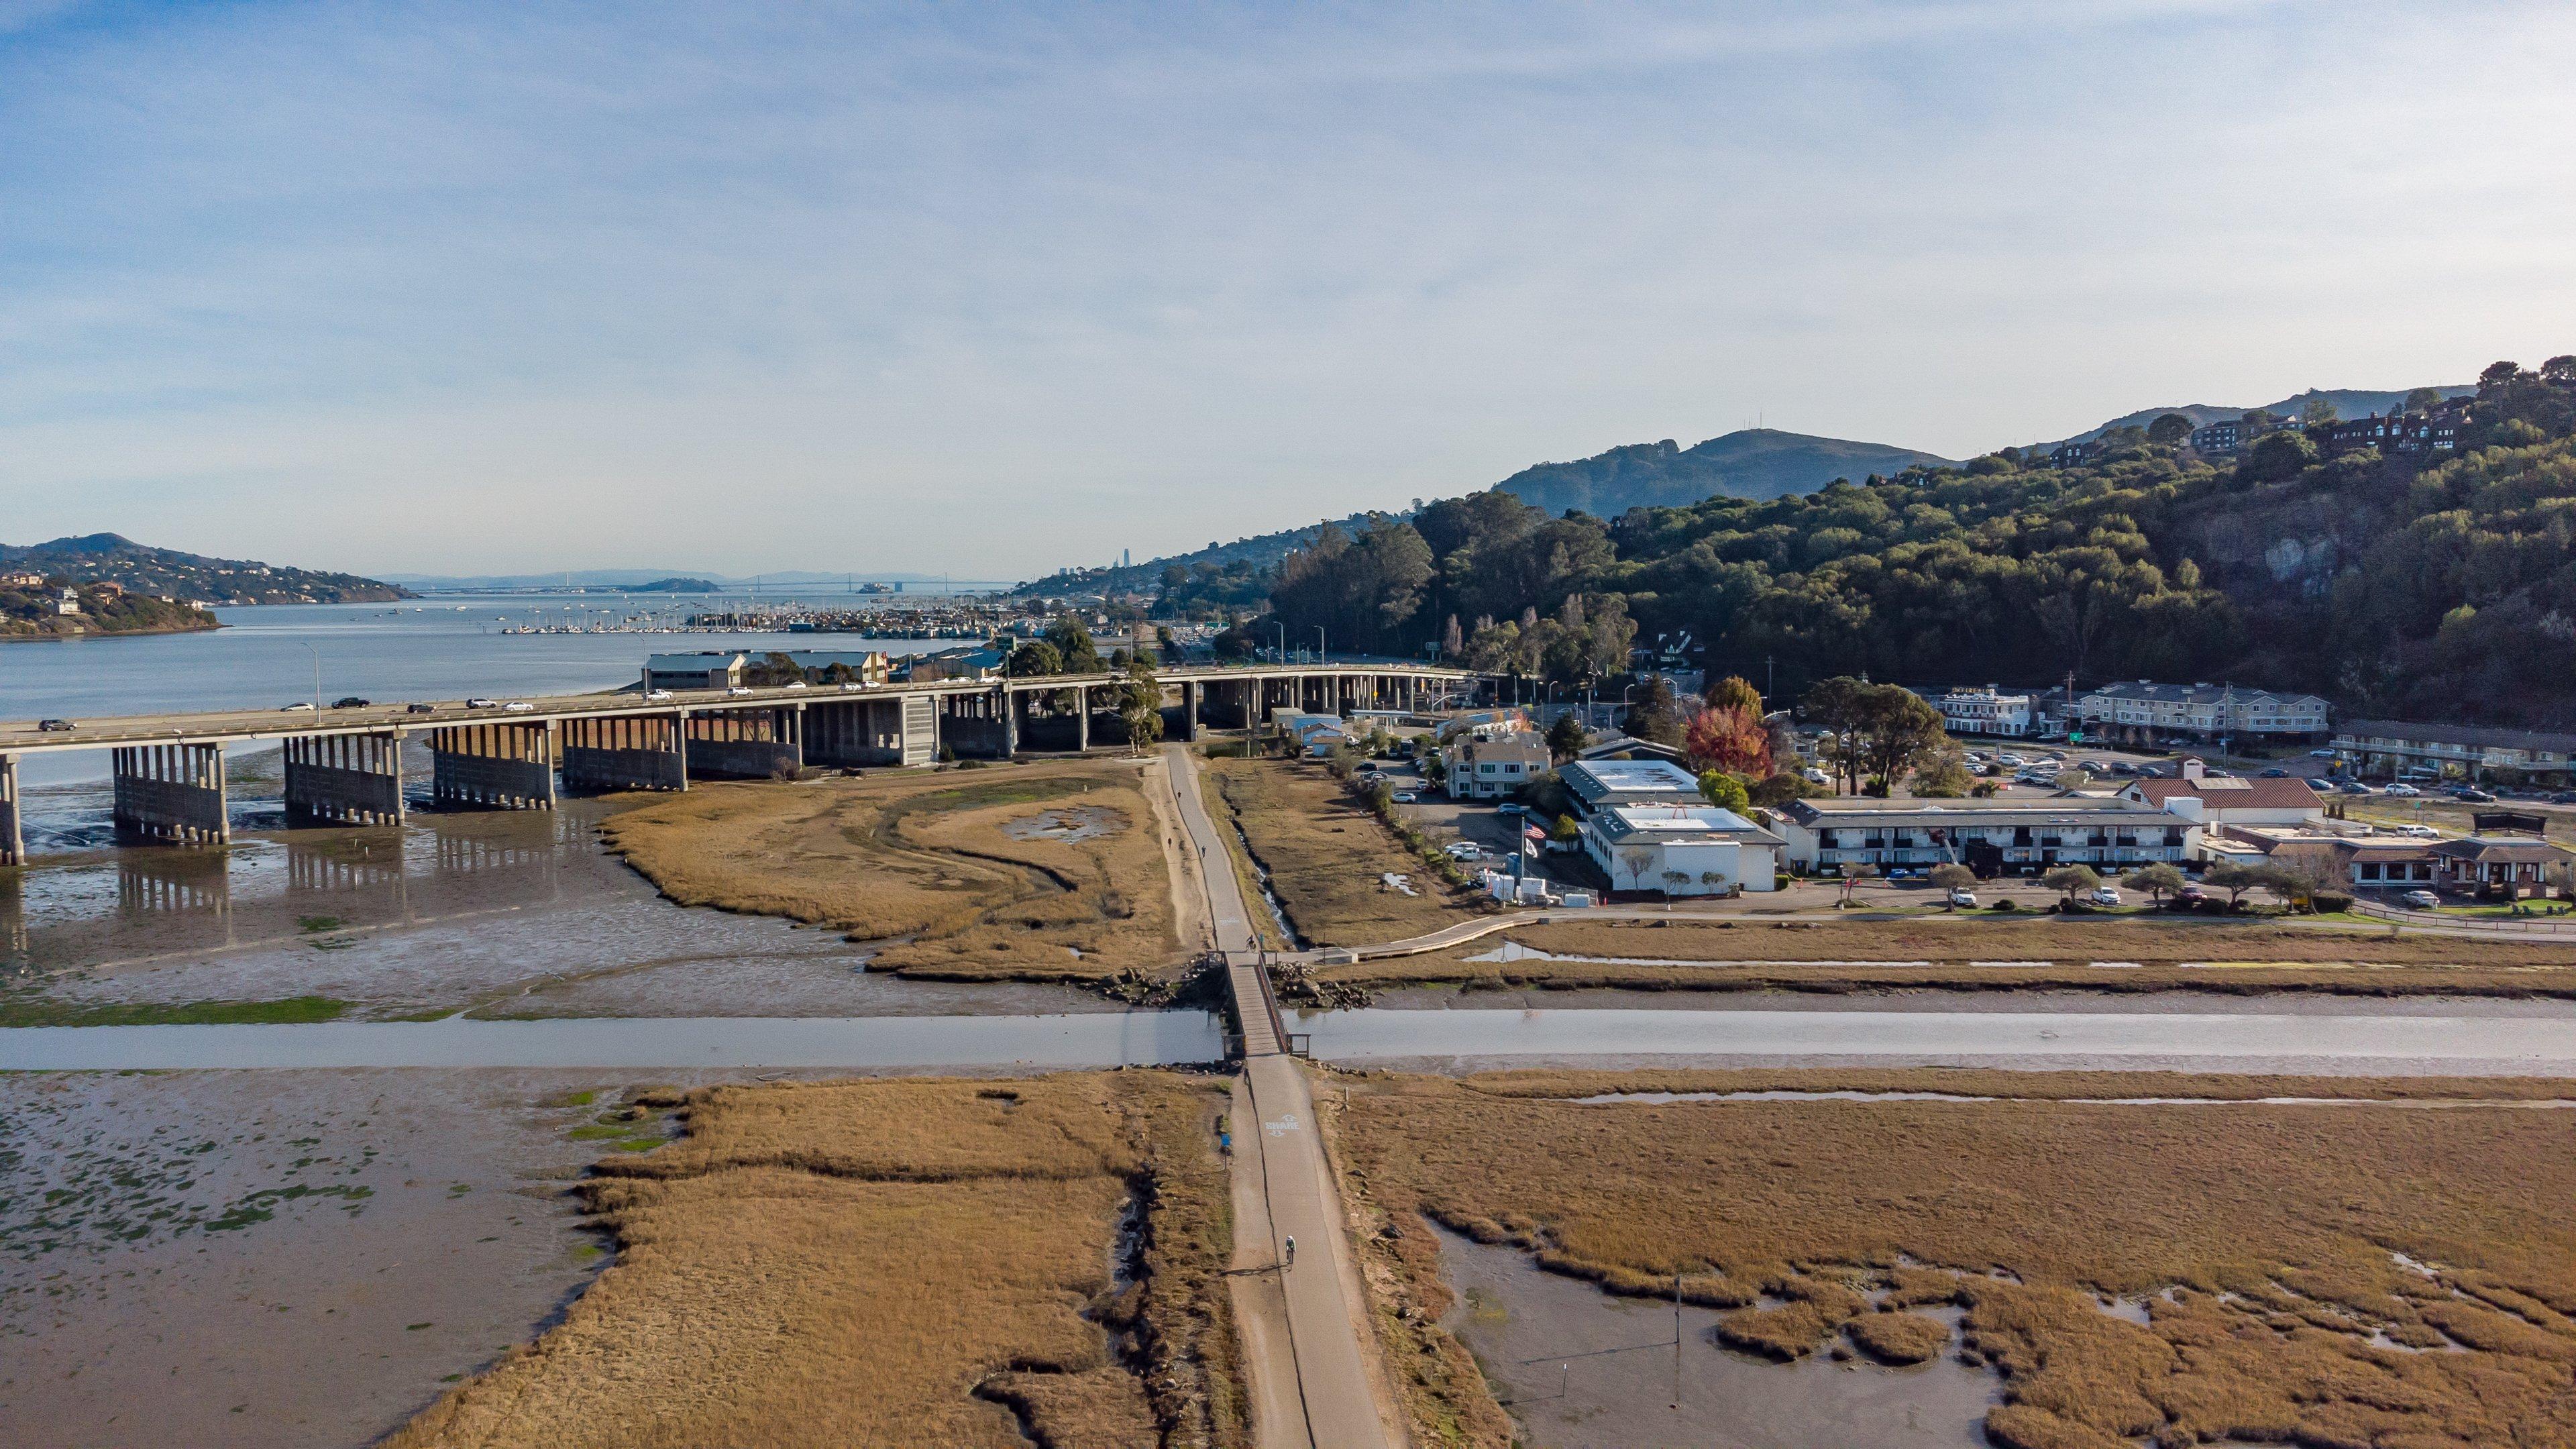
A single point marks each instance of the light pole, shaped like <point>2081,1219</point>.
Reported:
<point>1283,641</point>
<point>317,676</point>
<point>1319,643</point>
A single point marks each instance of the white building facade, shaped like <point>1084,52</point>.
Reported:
<point>1990,837</point>
<point>1984,711</point>
<point>1681,850</point>
<point>2142,709</point>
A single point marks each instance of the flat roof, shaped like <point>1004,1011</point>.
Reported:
<point>1674,823</point>
<point>1594,780</point>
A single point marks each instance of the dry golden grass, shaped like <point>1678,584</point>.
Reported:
<point>2271,1229</point>
<point>891,1263</point>
<point>1972,938</point>
<point>1837,956</point>
<point>924,862</point>
<point>1327,855</point>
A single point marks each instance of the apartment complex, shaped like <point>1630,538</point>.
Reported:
<point>2473,752</point>
<point>2142,710</point>
<point>1990,837</point>
<point>1489,756</point>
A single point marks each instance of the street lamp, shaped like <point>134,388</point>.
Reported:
<point>317,676</point>
<point>1319,643</point>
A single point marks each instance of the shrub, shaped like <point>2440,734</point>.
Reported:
<point>2330,901</point>
<point>2004,905</point>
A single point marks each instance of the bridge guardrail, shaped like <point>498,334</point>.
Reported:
<point>2506,925</point>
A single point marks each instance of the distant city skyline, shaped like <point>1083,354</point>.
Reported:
<point>481,289</point>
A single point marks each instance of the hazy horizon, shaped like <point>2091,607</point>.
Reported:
<point>470,289</point>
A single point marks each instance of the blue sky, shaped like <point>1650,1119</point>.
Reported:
<point>991,289</point>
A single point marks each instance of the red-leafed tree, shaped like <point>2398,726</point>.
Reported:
<point>1732,739</point>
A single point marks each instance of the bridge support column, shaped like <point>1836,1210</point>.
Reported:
<point>505,766</point>
<point>1081,717</point>
<point>1010,722</point>
<point>172,792</point>
<point>625,752</point>
<point>1189,710</point>
<point>344,779</point>
<point>744,744</point>
<point>13,837</point>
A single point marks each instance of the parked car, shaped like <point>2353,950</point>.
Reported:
<point>478,702</point>
<point>1814,776</point>
<point>1464,850</point>
<point>2011,759</point>
<point>349,702</point>
<point>53,726</point>
<point>1963,898</point>
<point>305,705</point>
<point>2402,788</point>
<point>2276,773</point>
<point>657,694</point>
<point>2475,796</point>
<point>2563,797</point>
<point>2124,767</point>
<point>1406,797</point>
<point>2321,754</point>
<point>2421,832</point>
<point>2104,895</point>
<point>2189,897</point>
<point>416,707</point>
<point>2353,787</point>
<point>2422,900</point>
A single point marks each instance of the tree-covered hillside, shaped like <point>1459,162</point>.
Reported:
<point>2441,585</point>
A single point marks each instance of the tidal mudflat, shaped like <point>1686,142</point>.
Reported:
<point>282,1258</point>
<point>505,913</point>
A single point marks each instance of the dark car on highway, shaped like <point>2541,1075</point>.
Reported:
<point>53,726</point>
<point>349,702</point>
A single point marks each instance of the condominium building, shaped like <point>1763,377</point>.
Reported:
<point>1986,711</point>
<point>2143,709</point>
<point>2474,752</point>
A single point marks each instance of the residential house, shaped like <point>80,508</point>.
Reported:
<point>973,661</point>
<point>1681,850</point>
<point>2140,710</point>
<point>2225,436</point>
<point>2475,752</point>
<point>2195,795</point>
<point>1315,734</point>
<point>22,580</point>
<point>1990,837</point>
<point>1493,765</point>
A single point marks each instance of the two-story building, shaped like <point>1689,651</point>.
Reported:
<point>2142,710</point>
<point>2473,752</point>
<point>1986,711</point>
<point>1990,837</point>
<point>1494,764</point>
<point>1681,850</point>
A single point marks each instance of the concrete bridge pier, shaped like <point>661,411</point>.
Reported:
<point>172,792</point>
<point>629,752</point>
<point>764,743</point>
<point>1081,717</point>
<point>975,724</point>
<point>344,779</point>
<point>1189,721</point>
<point>506,766</point>
<point>13,838</point>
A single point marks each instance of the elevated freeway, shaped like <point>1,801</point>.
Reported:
<point>345,765</point>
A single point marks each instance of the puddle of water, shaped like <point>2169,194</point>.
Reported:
<point>1090,1039</point>
<point>1067,823</point>
<point>1580,1369</point>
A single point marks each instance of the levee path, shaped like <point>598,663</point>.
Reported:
<point>1305,1326</point>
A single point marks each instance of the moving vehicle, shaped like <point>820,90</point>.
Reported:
<point>478,702</point>
<point>2420,832</point>
<point>2475,796</point>
<point>1963,898</point>
<point>416,707</point>
<point>2011,759</point>
<point>795,684</point>
<point>2322,755</point>
<point>657,694</point>
<point>53,726</point>
<point>1464,850</point>
<point>349,702</point>
<point>2353,787</point>
<point>738,691</point>
<point>851,686</point>
<point>1406,797</point>
<point>2422,900</point>
<point>2402,788</point>
<point>2104,895</point>
<point>305,705</point>
<point>519,706</point>
<point>2123,767</point>
<point>2276,773</point>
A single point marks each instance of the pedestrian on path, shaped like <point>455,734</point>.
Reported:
<point>1292,1254</point>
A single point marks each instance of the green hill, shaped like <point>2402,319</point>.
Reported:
<point>1754,463</point>
<point>157,572</point>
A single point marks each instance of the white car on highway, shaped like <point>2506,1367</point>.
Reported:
<point>2401,788</point>
<point>519,706</point>
<point>657,695</point>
